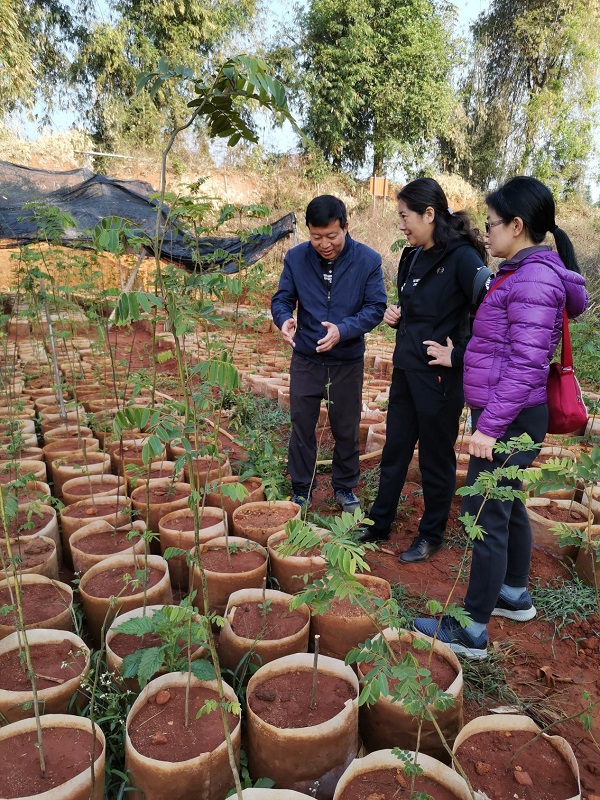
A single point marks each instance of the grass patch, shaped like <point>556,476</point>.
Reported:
<point>410,606</point>
<point>564,601</point>
<point>485,681</point>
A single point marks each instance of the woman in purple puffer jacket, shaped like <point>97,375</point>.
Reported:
<point>516,331</point>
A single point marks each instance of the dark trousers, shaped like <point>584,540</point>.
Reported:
<point>341,387</point>
<point>504,554</point>
<point>423,407</point>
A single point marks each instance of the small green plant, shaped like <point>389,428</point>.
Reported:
<point>180,631</point>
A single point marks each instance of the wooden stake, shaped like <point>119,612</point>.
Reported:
<point>313,694</point>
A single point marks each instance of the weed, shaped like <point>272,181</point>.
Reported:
<point>410,606</point>
<point>564,601</point>
<point>485,681</point>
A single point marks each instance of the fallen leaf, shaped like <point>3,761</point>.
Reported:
<point>545,674</point>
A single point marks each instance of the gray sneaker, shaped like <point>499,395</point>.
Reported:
<point>347,500</point>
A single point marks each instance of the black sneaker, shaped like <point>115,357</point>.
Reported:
<point>458,639</point>
<point>347,500</point>
<point>420,550</point>
<point>520,610</point>
<point>368,534</point>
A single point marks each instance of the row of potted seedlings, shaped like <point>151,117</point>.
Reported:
<point>301,733</point>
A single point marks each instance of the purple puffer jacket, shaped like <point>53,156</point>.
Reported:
<point>515,333</point>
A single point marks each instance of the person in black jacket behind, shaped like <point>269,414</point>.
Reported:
<point>337,285</point>
<point>441,277</point>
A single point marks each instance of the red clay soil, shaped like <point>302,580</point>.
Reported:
<point>30,553</point>
<point>107,542</point>
<point>216,560</point>
<point>442,672</point>
<point>66,751</point>
<point>392,784</point>
<point>158,731</point>
<point>283,700</point>
<point>249,621</point>
<point>40,601</point>
<point>537,772</point>
<point>27,522</point>
<point>60,661</point>
<point>111,582</point>
<point>556,513</point>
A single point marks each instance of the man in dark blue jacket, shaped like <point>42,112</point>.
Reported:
<point>337,286</point>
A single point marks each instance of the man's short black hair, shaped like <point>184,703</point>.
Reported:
<point>325,209</point>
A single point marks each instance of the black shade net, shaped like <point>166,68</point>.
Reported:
<point>90,198</point>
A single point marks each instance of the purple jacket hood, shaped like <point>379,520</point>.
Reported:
<point>515,334</point>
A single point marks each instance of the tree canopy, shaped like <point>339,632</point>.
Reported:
<point>531,91</point>
<point>376,77</point>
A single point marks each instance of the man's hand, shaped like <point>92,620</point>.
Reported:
<point>392,316</point>
<point>440,353</point>
<point>481,445</point>
<point>330,339</point>
<point>288,331</point>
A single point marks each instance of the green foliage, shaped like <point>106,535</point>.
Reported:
<point>376,76</point>
<point>531,92</point>
<point>563,601</point>
<point>140,34</point>
<point>180,630</point>
<point>585,340</point>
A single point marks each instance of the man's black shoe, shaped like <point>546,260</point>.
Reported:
<point>368,534</point>
<point>420,550</point>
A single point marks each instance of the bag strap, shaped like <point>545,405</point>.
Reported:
<point>479,281</point>
<point>566,353</point>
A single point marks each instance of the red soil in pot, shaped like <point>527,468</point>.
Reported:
<point>91,509</point>
<point>30,553</point>
<point>392,784</point>
<point>283,700</point>
<point>442,672</point>
<point>40,601</point>
<point>157,730</point>
<point>186,523</point>
<point>216,560</point>
<point>48,660</point>
<point>28,522</point>
<point>111,582</point>
<point>486,759</point>
<point>67,752</point>
<point>556,513</point>
<point>279,622</point>
<point>106,542</point>
<point>264,518</point>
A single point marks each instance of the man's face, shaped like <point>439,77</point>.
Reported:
<point>328,241</point>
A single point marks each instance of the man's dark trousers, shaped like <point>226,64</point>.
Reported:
<point>341,387</point>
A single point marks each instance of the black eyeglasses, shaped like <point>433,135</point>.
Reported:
<point>489,225</point>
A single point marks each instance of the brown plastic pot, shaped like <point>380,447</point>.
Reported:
<point>68,448</point>
<point>86,486</point>
<point>80,786</point>
<point>385,759</point>
<point>257,521</point>
<point>232,647</point>
<point>386,723</point>
<point>156,499</point>
<point>208,469</point>
<point>84,558</point>
<point>222,584</point>
<point>12,470</point>
<point>289,571</point>
<point>61,620</point>
<point>308,759</point>
<point>206,777</point>
<point>115,510</point>
<point>16,705</point>
<point>77,465</point>
<point>101,609</point>
<point>158,470</point>
<point>48,562</point>
<point>171,536</point>
<point>341,632</point>
<point>541,528</point>
<point>129,451</point>
<point>63,432</point>
<point>30,521</point>
<point>216,498</point>
<point>517,722</point>
<point>115,662</point>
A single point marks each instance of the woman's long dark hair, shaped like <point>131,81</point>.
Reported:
<point>532,201</point>
<point>423,193</point>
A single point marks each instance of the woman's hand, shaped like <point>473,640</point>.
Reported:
<point>441,353</point>
<point>481,445</point>
<point>392,316</point>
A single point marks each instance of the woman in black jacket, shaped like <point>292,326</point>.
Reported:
<point>441,277</point>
